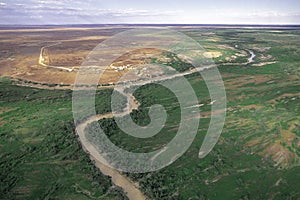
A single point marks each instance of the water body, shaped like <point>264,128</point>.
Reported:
<point>250,60</point>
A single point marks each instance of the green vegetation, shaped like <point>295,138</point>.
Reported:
<point>177,63</point>
<point>257,156</point>
<point>41,157</point>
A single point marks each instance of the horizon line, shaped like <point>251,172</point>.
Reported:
<point>152,24</point>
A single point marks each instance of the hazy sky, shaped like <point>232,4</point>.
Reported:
<point>154,11</point>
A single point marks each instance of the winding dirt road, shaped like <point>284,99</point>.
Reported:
<point>42,59</point>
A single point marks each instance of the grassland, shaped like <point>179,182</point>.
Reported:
<point>257,156</point>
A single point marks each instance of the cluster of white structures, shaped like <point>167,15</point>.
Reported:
<point>120,68</point>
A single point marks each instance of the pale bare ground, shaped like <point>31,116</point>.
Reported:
<point>42,59</point>
<point>263,64</point>
<point>212,54</point>
<point>252,106</point>
<point>86,38</point>
<point>280,154</point>
<point>37,67</point>
<point>21,60</point>
<point>37,70</point>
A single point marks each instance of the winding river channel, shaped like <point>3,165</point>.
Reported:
<point>131,189</point>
